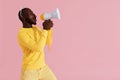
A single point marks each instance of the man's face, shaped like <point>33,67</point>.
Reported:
<point>30,17</point>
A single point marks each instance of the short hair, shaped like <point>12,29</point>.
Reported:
<point>22,13</point>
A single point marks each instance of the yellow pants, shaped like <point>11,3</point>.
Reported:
<point>40,74</point>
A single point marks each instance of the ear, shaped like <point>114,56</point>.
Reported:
<point>23,19</point>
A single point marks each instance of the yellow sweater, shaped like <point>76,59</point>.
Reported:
<point>32,41</point>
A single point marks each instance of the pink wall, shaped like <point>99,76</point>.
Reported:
<point>86,41</point>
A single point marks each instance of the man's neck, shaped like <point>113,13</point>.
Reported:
<point>26,25</point>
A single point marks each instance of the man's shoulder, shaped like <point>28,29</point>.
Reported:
<point>38,28</point>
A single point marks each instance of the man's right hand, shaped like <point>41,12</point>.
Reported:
<point>47,24</point>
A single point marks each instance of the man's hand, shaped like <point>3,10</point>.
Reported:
<point>47,24</point>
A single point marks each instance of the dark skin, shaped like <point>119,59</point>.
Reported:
<point>28,19</point>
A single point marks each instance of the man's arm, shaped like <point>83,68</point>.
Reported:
<point>49,38</point>
<point>47,25</point>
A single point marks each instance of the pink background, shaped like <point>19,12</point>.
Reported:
<point>86,41</point>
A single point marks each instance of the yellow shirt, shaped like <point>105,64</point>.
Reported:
<point>32,41</point>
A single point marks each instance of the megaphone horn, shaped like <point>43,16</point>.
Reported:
<point>54,14</point>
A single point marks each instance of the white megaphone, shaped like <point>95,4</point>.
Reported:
<point>54,14</point>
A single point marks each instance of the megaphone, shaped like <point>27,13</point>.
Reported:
<point>54,14</point>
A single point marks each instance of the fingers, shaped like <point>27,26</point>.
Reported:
<point>47,24</point>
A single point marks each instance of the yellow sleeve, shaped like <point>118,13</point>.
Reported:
<point>26,41</point>
<point>49,38</point>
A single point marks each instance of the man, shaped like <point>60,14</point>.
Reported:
<point>32,41</point>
